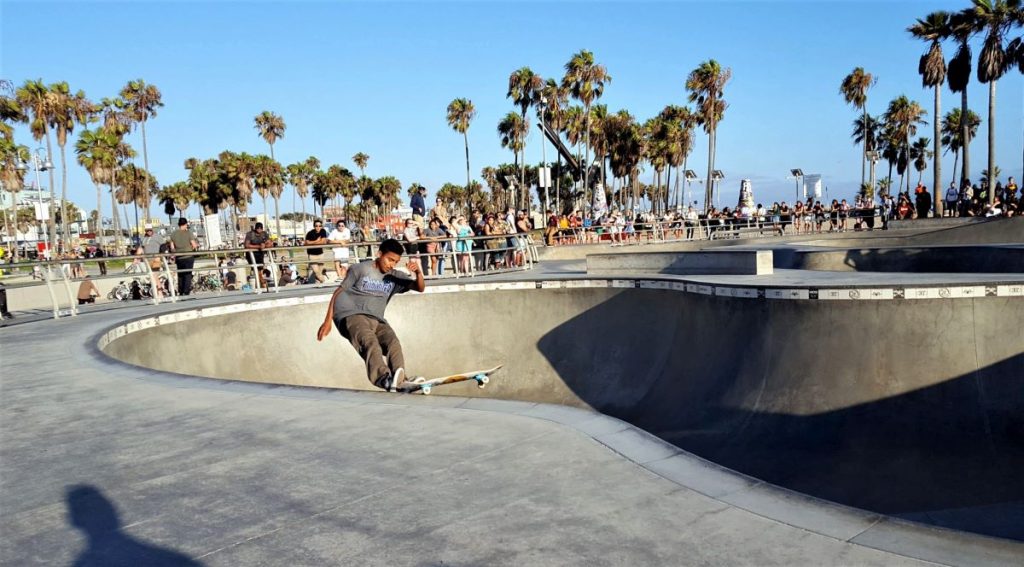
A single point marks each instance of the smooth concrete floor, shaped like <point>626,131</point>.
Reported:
<point>106,464</point>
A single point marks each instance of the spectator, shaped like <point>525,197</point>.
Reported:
<point>4,313</point>
<point>340,237</point>
<point>522,230</point>
<point>432,237</point>
<point>904,211</point>
<point>950,200</point>
<point>419,206</point>
<point>463,247</point>
<point>495,228</point>
<point>318,235</point>
<point>257,240</point>
<point>551,230</point>
<point>923,200</point>
<point>182,240</point>
<point>87,291</point>
<point>411,237</point>
<point>151,245</point>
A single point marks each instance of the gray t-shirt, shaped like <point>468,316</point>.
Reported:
<point>151,244</point>
<point>367,291</point>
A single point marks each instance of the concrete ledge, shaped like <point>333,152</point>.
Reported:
<point>724,262</point>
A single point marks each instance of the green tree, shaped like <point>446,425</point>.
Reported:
<point>903,117</point>
<point>67,111</point>
<point>140,103</point>
<point>919,154</point>
<point>178,196</point>
<point>524,87</point>
<point>300,175</point>
<point>512,132</point>
<point>953,131</point>
<point>585,80</point>
<point>361,159</point>
<point>706,84</point>
<point>96,151</point>
<point>854,89</point>
<point>958,75</point>
<point>932,68</point>
<point>269,180</point>
<point>36,100</point>
<point>12,177</point>
<point>994,18</point>
<point>460,114</point>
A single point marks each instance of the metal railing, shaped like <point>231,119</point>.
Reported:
<point>454,257</point>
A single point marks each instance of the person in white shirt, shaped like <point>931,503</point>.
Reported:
<point>340,237</point>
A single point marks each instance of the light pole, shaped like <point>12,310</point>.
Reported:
<point>41,162</point>
<point>716,184</point>
<point>798,175</point>
<point>690,176</point>
<point>873,156</point>
<point>542,177</point>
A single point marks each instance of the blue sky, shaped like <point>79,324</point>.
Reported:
<point>376,77</point>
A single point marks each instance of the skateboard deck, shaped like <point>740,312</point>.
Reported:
<point>482,377</point>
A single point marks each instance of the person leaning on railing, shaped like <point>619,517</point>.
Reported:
<point>183,240</point>
<point>318,235</point>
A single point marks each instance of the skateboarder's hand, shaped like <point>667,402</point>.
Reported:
<point>323,331</point>
<point>414,266</point>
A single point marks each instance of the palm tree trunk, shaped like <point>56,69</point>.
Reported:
<point>991,141</point>
<point>277,217</point>
<point>64,196</point>
<point>14,225</point>
<point>936,157</point>
<point>465,138</point>
<point>53,220</point>
<point>965,141</point>
<point>864,143</point>
<point>99,213</point>
<point>145,163</point>
<point>303,203</point>
<point>265,215</point>
<point>956,160</point>
<point>586,163</point>
<point>709,188</point>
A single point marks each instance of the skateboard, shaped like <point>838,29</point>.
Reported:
<point>482,377</point>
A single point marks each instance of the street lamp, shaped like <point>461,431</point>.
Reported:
<point>41,162</point>
<point>542,176</point>
<point>716,183</point>
<point>691,175</point>
<point>798,174</point>
<point>873,156</point>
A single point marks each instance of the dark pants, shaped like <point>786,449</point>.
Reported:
<point>376,343</point>
<point>3,301</point>
<point>184,278</point>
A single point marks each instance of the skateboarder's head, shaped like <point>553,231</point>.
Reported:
<point>390,253</point>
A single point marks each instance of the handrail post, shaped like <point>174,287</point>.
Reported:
<point>47,276</point>
<point>72,301</point>
<point>172,283</point>
<point>255,271</point>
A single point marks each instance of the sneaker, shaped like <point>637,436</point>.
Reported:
<point>385,382</point>
<point>399,377</point>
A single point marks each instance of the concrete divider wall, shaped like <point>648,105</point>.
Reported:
<point>723,262</point>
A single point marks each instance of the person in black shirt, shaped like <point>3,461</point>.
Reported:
<point>316,255</point>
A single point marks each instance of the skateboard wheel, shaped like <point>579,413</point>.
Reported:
<point>484,380</point>
<point>426,391</point>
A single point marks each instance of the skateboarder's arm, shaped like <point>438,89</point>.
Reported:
<point>414,267</point>
<point>325,327</point>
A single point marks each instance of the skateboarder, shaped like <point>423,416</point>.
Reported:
<point>357,310</point>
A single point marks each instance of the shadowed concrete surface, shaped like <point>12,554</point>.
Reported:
<point>107,464</point>
<point>908,408</point>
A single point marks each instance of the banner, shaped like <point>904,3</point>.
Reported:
<point>213,238</point>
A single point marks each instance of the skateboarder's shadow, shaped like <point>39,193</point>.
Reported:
<point>90,511</point>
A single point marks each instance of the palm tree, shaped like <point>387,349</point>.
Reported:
<point>269,179</point>
<point>460,114</point>
<point>96,150</point>
<point>271,128</point>
<point>902,117</point>
<point>300,175</point>
<point>932,67</point>
<point>994,18</point>
<point>952,132</point>
<point>35,98</point>
<point>361,159</point>
<point>512,130</point>
<point>958,75</point>
<point>919,154</point>
<point>706,84</point>
<point>68,110</point>
<point>13,179</point>
<point>556,99</point>
<point>180,195</point>
<point>141,101</point>
<point>854,89</point>
<point>865,131</point>
<point>585,81</point>
<point>524,87</point>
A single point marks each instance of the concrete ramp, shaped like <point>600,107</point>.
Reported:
<point>909,408</point>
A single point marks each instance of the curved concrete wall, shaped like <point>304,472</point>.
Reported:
<point>906,407</point>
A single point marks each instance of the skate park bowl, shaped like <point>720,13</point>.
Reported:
<point>912,408</point>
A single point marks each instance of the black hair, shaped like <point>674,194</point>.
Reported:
<point>257,226</point>
<point>391,245</point>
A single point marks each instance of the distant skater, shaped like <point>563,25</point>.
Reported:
<point>357,310</point>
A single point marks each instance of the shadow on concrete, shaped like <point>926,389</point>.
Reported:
<point>108,546</point>
<point>834,401</point>
<point>944,259</point>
